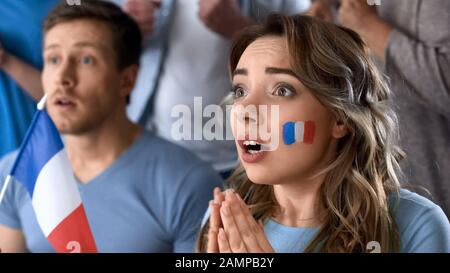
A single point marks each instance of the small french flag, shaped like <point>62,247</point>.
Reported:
<point>43,167</point>
<point>300,131</point>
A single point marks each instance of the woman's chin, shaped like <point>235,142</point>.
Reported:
<point>261,177</point>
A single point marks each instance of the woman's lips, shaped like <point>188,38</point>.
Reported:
<point>251,157</point>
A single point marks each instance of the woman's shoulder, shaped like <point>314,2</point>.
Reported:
<point>422,224</point>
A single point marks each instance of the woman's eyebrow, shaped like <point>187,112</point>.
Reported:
<point>276,70</point>
<point>240,71</point>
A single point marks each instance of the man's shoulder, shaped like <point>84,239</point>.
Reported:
<point>6,162</point>
<point>166,152</point>
<point>175,165</point>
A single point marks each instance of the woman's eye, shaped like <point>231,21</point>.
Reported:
<point>238,92</point>
<point>53,60</point>
<point>283,91</point>
<point>87,60</point>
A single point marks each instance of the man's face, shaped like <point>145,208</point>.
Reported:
<point>80,76</point>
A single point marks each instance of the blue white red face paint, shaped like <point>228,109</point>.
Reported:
<point>300,131</point>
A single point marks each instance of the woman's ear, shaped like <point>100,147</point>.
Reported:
<point>339,129</point>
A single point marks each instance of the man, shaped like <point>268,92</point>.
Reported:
<point>412,40</point>
<point>186,56</point>
<point>20,59</point>
<point>140,193</point>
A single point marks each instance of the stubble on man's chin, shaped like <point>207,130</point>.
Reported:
<point>73,129</point>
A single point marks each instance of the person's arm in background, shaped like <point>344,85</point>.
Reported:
<point>143,12</point>
<point>224,17</point>
<point>26,76</point>
<point>324,9</point>
<point>424,67</point>
<point>11,240</point>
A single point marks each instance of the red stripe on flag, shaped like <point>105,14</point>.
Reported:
<point>73,234</point>
<point>310,130</point>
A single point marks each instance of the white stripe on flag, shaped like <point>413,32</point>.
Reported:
<point>299,131</point>
<point>55,194</point>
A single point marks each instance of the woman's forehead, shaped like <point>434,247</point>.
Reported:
<point>270,50</point>
<point>268,44</point>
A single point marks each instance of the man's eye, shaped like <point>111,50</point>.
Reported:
<point>283,91</point>
<point>87,60</point>
<point>238,92</point>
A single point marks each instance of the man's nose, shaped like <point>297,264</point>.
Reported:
<point>66,74</point>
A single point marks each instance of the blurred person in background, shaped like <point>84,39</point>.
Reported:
<point>20,63</point>
<point>410,39</point>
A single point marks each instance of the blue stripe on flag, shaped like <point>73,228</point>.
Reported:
<point>289,133</point>
<point>41,143</point>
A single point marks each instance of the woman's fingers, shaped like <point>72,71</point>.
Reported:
<point>233,235</point>
<point>218,196</point>
<point>224,246</point>
<point>240,232</point>
<point>255,227</point>
<point>244,222</point>
<point>212,245</point>
<point>214,220</point>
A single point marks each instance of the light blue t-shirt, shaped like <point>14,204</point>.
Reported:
<point>422,224</point>
<point>151,199</point>
<point>21,35</point>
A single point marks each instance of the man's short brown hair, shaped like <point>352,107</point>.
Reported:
<point>126,36</point>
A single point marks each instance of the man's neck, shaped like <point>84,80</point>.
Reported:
<point>93,152</point>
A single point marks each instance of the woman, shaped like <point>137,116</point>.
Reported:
<point>337,192</point>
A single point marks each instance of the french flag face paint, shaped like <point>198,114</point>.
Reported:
<point>300,131</point>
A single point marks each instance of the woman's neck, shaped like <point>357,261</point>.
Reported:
<point>299,203</point>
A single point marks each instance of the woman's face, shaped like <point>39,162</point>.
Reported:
<point>264,76</point>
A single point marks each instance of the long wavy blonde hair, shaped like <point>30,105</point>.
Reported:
<point>333,62</point>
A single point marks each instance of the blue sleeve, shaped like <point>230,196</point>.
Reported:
<point>192,201</point>
<point>8,210</point>
<point>429,232</point>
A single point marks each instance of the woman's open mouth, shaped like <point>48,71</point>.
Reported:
<point>253,151</point>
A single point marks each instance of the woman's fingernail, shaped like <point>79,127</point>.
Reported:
<point>238,197</point>
<point>225,209</point>
<point>222,234</point>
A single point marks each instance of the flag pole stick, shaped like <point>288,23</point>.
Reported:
<point>41,103</point>
<point>40,106</point>
<point>5,186</point>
